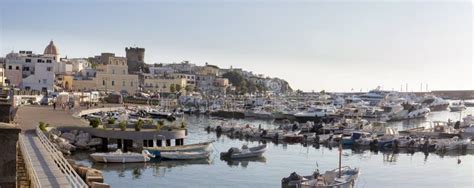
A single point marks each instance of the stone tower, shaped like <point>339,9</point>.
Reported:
<point>136,59</point>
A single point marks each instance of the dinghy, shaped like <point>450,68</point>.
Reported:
<point>245,152</point>
<point>203,146</point>
<point>177,155</point>
<point>120,157</point>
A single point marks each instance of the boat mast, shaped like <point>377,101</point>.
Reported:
<point>340,156</point>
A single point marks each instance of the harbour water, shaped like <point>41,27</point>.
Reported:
<point>378,169</point>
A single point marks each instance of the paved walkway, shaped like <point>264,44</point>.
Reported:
<point>44,167</point>
<point>28,117</point>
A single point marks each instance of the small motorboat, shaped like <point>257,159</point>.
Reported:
<point>245,152</point>
<point>293,137</point>
<point>341,177</point>
<point>203,146</point>
<point>177,155</point>
<point>120,157</point>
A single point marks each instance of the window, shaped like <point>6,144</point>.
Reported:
<point>103,82</point>
<point>28,60</point>
<point>39,81</point>
<point>48,69</point>
<point>39,61</point>
<point>17,68</point>
<point>45,81</point>
<point>48,61</point>
<point>113,71</point>
<point>113,82</point>
<point>26,68</point>
<point>9,67</point>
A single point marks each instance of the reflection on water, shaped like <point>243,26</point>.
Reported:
<point>380,168</point>
<point>244,162</point>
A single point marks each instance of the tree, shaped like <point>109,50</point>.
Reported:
<point>172,88</point>
<point>178,87</point>
<point>235,78</point>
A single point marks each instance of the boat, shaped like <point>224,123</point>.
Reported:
<point>245,152</point>
<point>435,103</point>
<point>120,157</point>
<point>457,106</point>
<point>440,129</point>
<point>330,179</point>
<point>397,112</point>
<point>315,113</point>
<point>203,146</point>
<point>341,177</point>
<point>388,138</point>
<point>293,137</point>
<point>454,143</point>
<point>178,155</point>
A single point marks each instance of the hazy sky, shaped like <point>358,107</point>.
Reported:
<point>315,45</point>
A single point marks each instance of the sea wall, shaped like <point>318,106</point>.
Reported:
<point>8,142</point>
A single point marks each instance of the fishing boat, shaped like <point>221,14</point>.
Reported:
<point>342,177</point>
<point>245,152</point>
<point>346,179</point>
<point>178,155</point>
<point>120,157</point>
<point>203,146</point>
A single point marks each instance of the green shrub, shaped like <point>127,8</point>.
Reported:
<point>123,125</point>
<point>43,126</point>
<point>111,121</point>
<point>139,125</point>
<point>94,122</point>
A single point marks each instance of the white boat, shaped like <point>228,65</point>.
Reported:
<point>397,112</point>
<point>177,155</point>
<point>435,103</point>
<point>245,152</point>
<point>454,143</point>
<point>120,157</point>
<point>203,146</point>
<point>344,177</point>
<point>457,107</point>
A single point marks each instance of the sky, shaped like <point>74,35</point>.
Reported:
<point>314,45</point>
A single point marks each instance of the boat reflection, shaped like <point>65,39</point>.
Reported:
<point>244,162</point>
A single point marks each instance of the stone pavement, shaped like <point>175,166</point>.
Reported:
<point>28,117</point>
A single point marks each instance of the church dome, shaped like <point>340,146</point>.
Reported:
<point>51,49</point>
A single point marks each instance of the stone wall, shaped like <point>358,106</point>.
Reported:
<point>8,141</point>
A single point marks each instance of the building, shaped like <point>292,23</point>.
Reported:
<point>2,75</point>
<point>163,84</point>
<point>209,70</point>
<point>190,78</point>
<point>136,60</point>
<point>52,51</point>
<point>30,71</point>
<point>183,67</point>
<point>112,76</point>
<point>161,71</point>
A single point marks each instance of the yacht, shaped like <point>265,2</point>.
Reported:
<point>435,103</point>
<point>397,112</point>
<point>457,106</point>
<point>316,113</point>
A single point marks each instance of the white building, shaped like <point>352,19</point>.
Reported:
<point>161,71</point>
<point>2,75</point>
<point>30,71</point>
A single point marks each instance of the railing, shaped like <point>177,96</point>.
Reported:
<point>64,166</point>
<point>34,181</point>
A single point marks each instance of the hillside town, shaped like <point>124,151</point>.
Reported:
<point>50,72</point>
